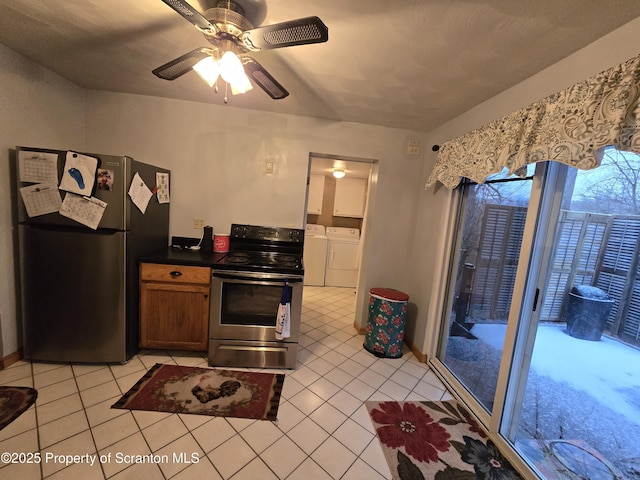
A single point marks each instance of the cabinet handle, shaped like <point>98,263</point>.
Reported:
<point>175,274</point>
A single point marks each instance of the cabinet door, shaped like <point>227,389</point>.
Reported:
<point>350,197</point>
<point>316,194</point>
<point>174,316</point>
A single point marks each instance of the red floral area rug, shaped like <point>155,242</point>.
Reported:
<point>206,391</point>
<point>436,440</point>
<point>14,401</point>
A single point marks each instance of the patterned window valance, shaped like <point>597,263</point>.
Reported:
<point>571,126</point>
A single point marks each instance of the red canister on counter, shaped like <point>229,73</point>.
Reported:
<point>221,243</point>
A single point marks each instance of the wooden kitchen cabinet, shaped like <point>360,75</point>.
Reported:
<point>316,194</point>
<point>350,197</point>
<point>174,306</point>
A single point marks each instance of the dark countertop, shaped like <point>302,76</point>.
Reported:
<point>198,258</point>
<point>177,256</point>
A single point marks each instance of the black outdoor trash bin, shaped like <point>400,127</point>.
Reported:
<point>587,312</point>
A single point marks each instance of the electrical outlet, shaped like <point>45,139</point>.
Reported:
<point>269,167</point>
<point>413,150</point>
<point>198,223</point>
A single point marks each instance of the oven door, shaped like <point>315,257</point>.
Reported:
<point>244,305</point>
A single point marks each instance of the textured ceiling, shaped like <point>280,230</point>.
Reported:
<point>411,64</point>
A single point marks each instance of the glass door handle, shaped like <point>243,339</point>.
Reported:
<point>535,299</point>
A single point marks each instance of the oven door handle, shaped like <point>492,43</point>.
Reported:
<point>277,277</point>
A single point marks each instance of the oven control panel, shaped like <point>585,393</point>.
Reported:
<point>270,234</point>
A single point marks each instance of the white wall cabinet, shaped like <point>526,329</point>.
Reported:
<point>316,194</point>
<point>350,197</point>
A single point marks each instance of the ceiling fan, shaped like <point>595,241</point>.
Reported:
<point>231,36</point>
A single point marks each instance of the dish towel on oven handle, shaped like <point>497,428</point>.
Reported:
<point>283,319</point>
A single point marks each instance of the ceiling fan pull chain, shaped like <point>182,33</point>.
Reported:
<point>226,88</point>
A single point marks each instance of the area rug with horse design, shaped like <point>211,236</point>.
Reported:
<point>206,391</point>
<point>14,401</point>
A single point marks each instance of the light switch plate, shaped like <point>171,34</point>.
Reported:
<point>268,167</point>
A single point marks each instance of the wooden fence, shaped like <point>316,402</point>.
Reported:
<point>589,249</point>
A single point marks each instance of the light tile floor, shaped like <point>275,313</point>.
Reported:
<point>323,429</point>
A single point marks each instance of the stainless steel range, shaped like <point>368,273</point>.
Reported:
<point>246,289</point>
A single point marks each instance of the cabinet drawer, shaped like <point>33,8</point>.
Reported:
<point>175,273</point>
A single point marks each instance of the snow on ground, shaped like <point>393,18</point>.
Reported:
<point>607,370</point>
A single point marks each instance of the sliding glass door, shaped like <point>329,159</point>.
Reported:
<point>542,326</point>
<point>574,409</point>
<point>490,232</point>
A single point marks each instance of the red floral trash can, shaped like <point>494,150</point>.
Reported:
<point>385,325</point>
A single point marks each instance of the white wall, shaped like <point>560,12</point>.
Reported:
<point>217,158</point>
<point>36,108</point>
<point>433,204</point>
<point>217,155</point>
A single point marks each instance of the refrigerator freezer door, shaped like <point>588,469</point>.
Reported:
<point>110,185</point>
<point>73,295</point>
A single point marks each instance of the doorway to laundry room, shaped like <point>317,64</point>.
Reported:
<point>336,212</point>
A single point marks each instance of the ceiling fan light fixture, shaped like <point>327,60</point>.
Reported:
<point>232,72</point>
<point>229,67</point>
<point>241,84</point>
<point>209,70</point>
<point>338,173</point>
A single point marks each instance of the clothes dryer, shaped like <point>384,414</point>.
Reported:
<point>343,257</point>
<point>315,255</point>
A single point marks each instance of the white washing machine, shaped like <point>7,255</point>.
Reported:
<point>343,257</point>
<point>315,254</point>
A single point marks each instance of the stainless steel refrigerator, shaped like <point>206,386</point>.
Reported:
<point>79,289</point>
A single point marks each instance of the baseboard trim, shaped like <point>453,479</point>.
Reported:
<point>421,357</point>
<point>11,359</point>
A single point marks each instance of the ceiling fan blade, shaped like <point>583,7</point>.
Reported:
<point>181,65</point>
<point>191,14</point>
<point>263,79</point>
<point>302,31</point>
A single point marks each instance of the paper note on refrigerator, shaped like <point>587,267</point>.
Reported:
<point>40,199</point>
<point>139,193</point>
<point>162,184</point>
<point>38,167</point>
<point>85,210</point>
<point>79,174</point>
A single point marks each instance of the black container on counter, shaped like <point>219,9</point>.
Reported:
<point>207,239</point>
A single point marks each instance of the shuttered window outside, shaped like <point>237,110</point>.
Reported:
<point>619,276</point>
<point>590,249</point>
<point>580,238</point>
<point>499,250</point>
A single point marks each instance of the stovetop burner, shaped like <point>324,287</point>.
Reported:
<point>273,249</point>
<point>264,260</point>
<point>238,258</point>
<point>287,260</point>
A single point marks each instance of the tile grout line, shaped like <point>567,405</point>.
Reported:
<point>33,384</point>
